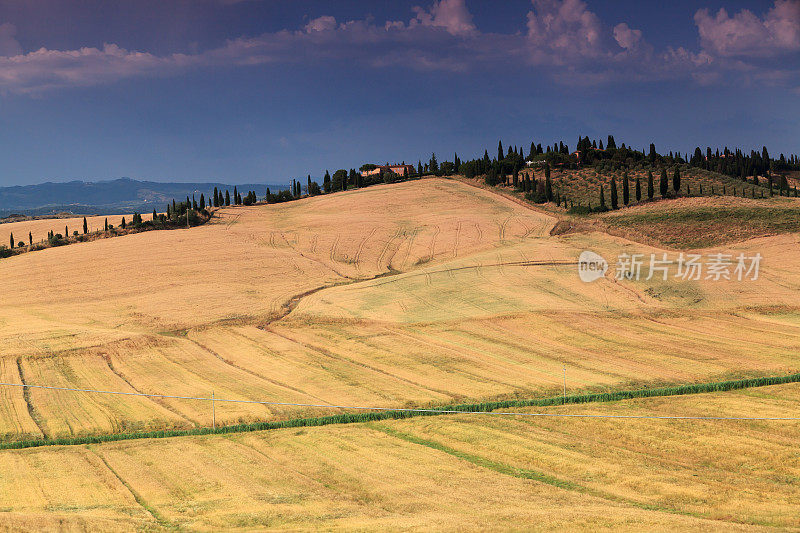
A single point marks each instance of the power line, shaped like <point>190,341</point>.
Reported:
<point>407,410</point>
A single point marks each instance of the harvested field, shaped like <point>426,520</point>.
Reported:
<point>453,472</point>
<point>39,228</point>
<point>422,306</point>
<point>408,295</point>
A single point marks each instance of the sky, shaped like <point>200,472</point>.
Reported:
<point>265,90</point>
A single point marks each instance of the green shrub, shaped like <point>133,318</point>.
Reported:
<point>579,210</point>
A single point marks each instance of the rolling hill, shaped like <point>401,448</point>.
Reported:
<point>419,294</point>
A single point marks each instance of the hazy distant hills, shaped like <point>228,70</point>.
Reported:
<point>118,196</point>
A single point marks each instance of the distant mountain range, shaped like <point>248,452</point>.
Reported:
<point>112,197</point>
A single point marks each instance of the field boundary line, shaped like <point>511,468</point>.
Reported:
<point>163,522</point>
<point>370,414</point>
<point>532,475</point>
<point>26,396</point>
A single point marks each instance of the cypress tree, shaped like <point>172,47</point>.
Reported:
<point>626,195</point>
<point>12,241</point>
<point>216,197</point>
<point>602,196</point>
<point>106,222</point>
<point>676,180</point>
<point>202,201</point>
<point>154,214</point>
<point>650,188</point>
<point>66,232</point>
<point>638,190</point>
<point>548,186</point>
<point>269,196</point>
<point>227,197</point>
<point>122,224</point>
<point>30,238</point>
<point>500,155</point>
<point>614,200</point>
<point>664,185</point>
<point>194,203</point>
<point>326,181</point>
<point>85,226</point>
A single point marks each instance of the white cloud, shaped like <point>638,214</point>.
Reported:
<point>564,29</point>
<point>451,15</point>
<point>745,34</point>
<point>565,40</point>
<point>47,69</point>
<point>324,23</point>
<point>626,37</point>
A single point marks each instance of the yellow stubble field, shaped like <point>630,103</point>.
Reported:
<point>448,473</point>
<point>39,228</point>
<point>446,293</point>
<point>415,294</point>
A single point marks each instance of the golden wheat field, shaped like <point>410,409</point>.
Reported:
<point>39,228</point>
<point>447,473</point>
<point>415,294</point>
<point>453,293</point>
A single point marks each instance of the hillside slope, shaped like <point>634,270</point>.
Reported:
<point>414,294</point>
<point>419,293</point>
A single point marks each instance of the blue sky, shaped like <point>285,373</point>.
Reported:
<point>263,91</point>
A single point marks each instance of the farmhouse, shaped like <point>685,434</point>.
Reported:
<point>398,169</point>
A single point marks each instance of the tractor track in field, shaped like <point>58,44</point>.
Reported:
<point>26,395</point>
<point>357,257</point>
<point>331,355</point>
<point>149,509</point>
<point>458,235</point>
<point>158,401</point>
<point>530,263</point>
<point>254,373</point>
<point>315,260</point>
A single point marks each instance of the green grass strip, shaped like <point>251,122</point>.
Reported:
<point>534,475</point>
<point>477,460</point>
<point>163,522</point>
<point>351,418</point>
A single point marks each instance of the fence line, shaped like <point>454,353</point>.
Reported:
<point>214,399</point>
